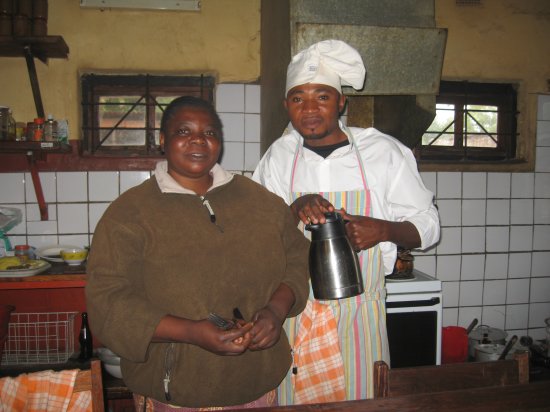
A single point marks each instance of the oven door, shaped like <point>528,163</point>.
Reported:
<point>414,329</point>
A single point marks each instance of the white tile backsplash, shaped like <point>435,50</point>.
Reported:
<point>541,237</point>
<point>474,185</point>
<point>449,185</point>
<point>494,316</point>
<point>542,185</point>
<point>521,211</point>
<point>494,292</point>
<point>230,98</point>
<point>542,212</point>
<point>521,238</point>
<point>252,128</point>
<point>496,266</point>
<point>233,127</point>
<point>519,265</point>
<point>450,212</point>
<point>542,163</point>
<point>498,238</point>
<point>540,290</point>
<point>498,211</point>
<point>450,241</point>
<point>103,186</point>
<point>96,210</point>
<point>72,187</point>
<point>12,188</point>
<point>252,98</point>
<point>72,218</point>
<point>448,267</point>
<point>251,156</point>
<point>543,133</point>
<point>518,291</point>
<point>450,291</point>
<point>48,184</point>
<point>516,316</point>
<point>471,293</point>
<point>131,179</point>
<point>233,156</point>
<point>473,240</point>
<point>540,264</point>
<point>473,267</point>
<point>543,108</point>
<point>430,181</point>
<point>523,185</point>
<point>498,185</point>
<point>537,313</point>
<point>473,212</point>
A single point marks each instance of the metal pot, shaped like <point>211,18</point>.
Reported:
<point>484,334</point>
<point>485,352</point>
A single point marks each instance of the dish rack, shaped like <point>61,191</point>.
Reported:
<point>39,338</point>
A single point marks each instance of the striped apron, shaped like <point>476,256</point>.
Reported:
<point>336,342</point>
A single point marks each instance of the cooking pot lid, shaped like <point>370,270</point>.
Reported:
<point>490,348</point>
<point>493,334</point>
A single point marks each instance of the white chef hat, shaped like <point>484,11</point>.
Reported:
<point>331,62</point>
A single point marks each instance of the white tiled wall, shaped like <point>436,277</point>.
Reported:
<point>493,258</point>
<point>494,254</point>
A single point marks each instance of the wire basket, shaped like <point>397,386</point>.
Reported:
<point>39,338</point>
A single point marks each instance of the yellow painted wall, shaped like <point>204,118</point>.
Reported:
<point>223,38</point>
<point>501,41</point>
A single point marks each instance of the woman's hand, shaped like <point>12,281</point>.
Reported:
<point>311,208</point>
<point>221,342</point>
<point>266,330</point>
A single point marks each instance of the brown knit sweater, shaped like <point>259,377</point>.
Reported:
<point>159,253</point>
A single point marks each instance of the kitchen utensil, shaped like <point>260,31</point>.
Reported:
<point>237,314</point>
<point>471,326</point>
<point>508,346</point>
<point>454,342</point>
<point>484,334</point>
<point>220,322</point>
<point>333,264</point>
<point>486,352</point>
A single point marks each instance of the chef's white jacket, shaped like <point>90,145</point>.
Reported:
<point>397,191</point>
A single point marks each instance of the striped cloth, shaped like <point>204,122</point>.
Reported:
<point>44,391</point>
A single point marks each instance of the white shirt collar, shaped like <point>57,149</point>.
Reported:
<point>167,184</point>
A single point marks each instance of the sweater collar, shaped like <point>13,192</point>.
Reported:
<point>167,184</point>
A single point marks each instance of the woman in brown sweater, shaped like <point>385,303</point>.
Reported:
<point>191,240</point>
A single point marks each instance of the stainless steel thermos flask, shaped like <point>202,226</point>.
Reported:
<point>333,264</point>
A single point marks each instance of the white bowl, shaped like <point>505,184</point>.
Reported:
<point>113,370</point>
<point>111,362</point>
<point>74,256</point>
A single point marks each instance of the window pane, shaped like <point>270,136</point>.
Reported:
<point>442,128</point>
<point>118,115</point>
<point>162,101</point>
<point>480,126</point>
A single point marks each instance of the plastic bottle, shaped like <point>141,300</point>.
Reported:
<point>85,339</point>
<point>38,134</point>
<point>50,129</point>
<point>63,131</point>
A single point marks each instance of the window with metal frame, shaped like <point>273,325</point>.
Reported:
<point>121,113</point>
<point>474,122</point>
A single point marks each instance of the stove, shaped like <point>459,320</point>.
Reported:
<point>414,312</point>
<point>420,282</point>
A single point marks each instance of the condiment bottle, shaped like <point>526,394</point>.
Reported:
<point>50,129</point>
<point>38,129</point>
<point>85,339</point>
<point>23,252</point>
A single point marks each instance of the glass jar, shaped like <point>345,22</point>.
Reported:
<point>23,252</point>
<point>4,122</point>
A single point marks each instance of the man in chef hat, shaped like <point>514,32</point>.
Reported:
<point>319,166</point>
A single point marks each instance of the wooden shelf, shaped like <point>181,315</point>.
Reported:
<point>35,147</point>
<point>43,47</point>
